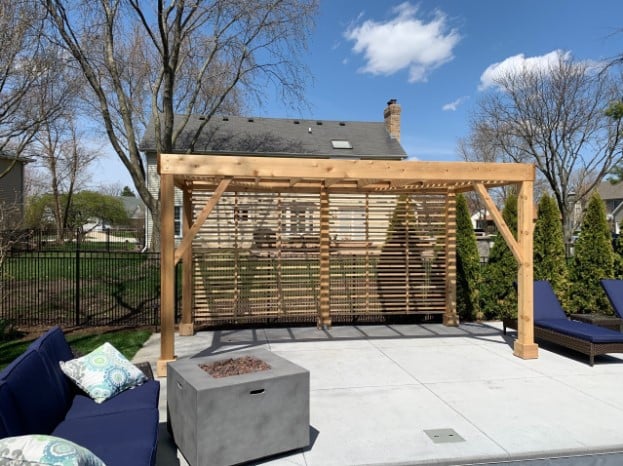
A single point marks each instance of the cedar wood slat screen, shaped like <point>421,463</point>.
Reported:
<point>256,258</point>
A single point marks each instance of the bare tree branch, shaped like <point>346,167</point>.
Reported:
<point>163,61</point>
<point>557,119</point>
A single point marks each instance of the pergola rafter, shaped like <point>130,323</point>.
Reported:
<point>238,173</point>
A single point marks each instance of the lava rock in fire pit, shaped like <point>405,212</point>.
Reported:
<point>234,366</point>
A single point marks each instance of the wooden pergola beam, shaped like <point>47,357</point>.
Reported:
<point>274,168</point>
<point>499,221</point>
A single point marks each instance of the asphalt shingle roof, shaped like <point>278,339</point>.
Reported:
<point>608,190</point>
<point>284,137</point>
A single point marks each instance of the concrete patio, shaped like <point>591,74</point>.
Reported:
<point>377,390</point>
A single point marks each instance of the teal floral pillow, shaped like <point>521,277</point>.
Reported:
<point>103,373</point>
<point>44,450</point>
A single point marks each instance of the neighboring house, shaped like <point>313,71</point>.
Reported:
<point>485,229</point>
<point>612,195</point>
<point>12,190</point>
<point>483,223</point>
<point>280,137</point>
<point>135,209</point>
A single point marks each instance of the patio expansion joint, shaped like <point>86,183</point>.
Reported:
<point>585,393</point>
<point>449,406</point>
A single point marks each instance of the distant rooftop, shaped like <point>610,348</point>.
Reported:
<point>609,190</point>
<point>20,158</point>
<point>284,137</point>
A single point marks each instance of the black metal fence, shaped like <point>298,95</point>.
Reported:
<point>81,287</point>
<point>96,239</point>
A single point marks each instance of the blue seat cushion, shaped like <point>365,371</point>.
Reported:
<point>124,438</point>
<point>143,396</point>
<point>581,330</point>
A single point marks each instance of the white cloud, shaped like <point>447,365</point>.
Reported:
<point>519,64</point>
<point>404,42</point>
<point>452,106</point>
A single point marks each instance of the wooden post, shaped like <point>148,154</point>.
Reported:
<point>525,347</point>
<point>167,275</point>
<point>324,319</point>
<point>186,327</point>
<point>368,283</point>
<point>450,317</point>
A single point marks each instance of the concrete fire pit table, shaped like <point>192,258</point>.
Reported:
<point>231,419</point>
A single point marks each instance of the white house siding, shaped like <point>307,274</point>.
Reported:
<point>153,185</point>
<point>11,193</point>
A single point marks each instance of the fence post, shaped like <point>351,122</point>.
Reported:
<point>77,281</point>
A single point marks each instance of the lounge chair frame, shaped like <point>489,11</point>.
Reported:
<point>582,346</point>
<point>573,343</point>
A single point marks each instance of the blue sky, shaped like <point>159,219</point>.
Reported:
<point>435,58</point>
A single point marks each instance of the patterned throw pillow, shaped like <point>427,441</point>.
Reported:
<point>43,450</point>
<point>103,373</point>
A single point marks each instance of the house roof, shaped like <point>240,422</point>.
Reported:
<point>608,190</point>
<point>133,206</point>
<point>20,158</point>
<point>283,137</point>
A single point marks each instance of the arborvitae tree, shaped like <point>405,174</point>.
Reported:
<point>498,293</point>
<point>617,245</point>
<point>593,260</point>
<point>467,264</point>
<point>550,261</point>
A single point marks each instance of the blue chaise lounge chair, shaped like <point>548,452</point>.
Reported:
<point>551,324</point>
<point>614,292</point>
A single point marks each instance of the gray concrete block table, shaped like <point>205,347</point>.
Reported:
<point>238,418</point>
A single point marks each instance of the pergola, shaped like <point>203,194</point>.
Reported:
<point>217,174</point>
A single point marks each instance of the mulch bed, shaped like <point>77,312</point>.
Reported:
<point>234,366</point>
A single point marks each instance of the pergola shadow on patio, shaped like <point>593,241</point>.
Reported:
<point>207,180</point>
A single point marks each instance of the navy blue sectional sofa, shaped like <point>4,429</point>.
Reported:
<point>36,397</point>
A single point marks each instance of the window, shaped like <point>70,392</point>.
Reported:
<point>297,220</point>
<point>177,222</point>
<point>351,223</point>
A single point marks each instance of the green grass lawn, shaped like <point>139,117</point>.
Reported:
<point>126,341</point>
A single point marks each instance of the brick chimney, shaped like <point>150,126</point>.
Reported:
<point>392,119</point>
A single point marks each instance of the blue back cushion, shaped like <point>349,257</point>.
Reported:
<point>614,291</point>
<point>546,304</point>
<point>10,420</point>
<point>53,348</point>
<point>37,401</point>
